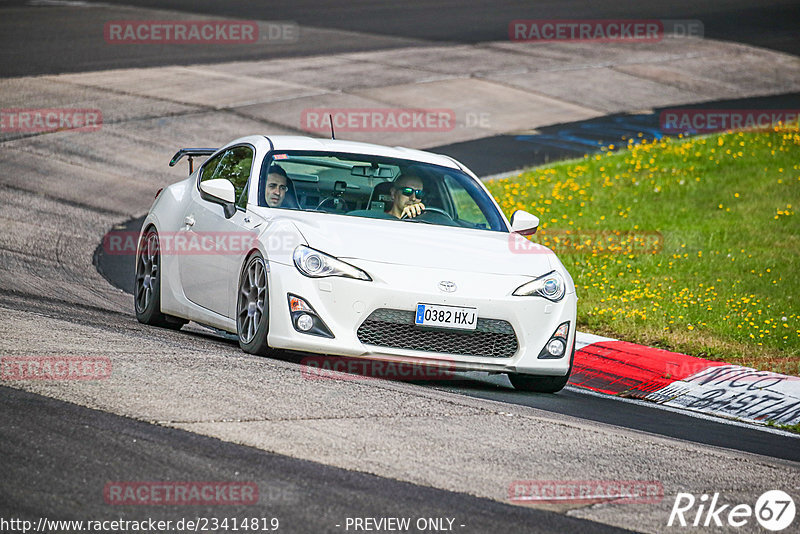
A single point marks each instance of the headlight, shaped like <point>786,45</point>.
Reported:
<point>550,286</point>
<point>317,264</point>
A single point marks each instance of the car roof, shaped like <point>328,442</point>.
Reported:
<point>298,142</point>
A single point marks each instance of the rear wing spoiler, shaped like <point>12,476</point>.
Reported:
<point>191,153</point>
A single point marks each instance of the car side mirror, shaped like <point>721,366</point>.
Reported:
<point>220,191</point>
<point>524,223</point>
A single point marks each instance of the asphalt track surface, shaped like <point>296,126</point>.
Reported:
<point>87,449</point>
<point>33,32</point>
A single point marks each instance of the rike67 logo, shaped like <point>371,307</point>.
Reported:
<point>774,510</point>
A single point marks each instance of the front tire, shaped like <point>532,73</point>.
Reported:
<point>252,307</point>
<point>542,384</point>
<point>147,285</point>
<point>538,384</point>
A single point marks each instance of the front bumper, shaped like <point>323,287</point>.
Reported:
<point>344,305</point>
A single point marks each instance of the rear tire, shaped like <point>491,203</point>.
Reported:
<point>252,307</point>
<point>147,285</point>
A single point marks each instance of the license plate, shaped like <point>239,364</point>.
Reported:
<point>446,316</point>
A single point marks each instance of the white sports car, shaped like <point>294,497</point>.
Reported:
<point>298,243</point>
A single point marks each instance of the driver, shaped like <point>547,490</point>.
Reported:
<point>407,195</point>
<point>276,186</point>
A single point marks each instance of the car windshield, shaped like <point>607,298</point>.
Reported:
<point>359,185</point>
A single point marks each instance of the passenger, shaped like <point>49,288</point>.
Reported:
<point>407,195</point>
<point>276,186</point>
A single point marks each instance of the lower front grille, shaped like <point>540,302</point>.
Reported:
<point>493,338</point>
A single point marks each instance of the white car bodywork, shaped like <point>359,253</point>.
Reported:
<point>407,264</point>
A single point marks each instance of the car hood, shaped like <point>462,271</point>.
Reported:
<point>423,245</point>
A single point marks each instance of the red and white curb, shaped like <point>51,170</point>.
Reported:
<point>614,367</point>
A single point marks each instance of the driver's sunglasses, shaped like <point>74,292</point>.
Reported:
<point>407,191</point>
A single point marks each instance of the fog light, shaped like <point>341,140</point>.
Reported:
<point>305,322</point>
<point>555,347</point>
<point>305,319</point>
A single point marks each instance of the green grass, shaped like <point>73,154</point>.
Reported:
<point>692,245</point>
<point>789,428</point>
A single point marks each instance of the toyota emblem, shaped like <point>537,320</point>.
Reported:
<point>447,286</point>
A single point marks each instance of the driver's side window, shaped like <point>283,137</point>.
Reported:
<point>209,167</point>
<point>235,165</point>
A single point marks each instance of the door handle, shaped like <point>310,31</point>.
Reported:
<point>247,220</point>
<point>188,221</point>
